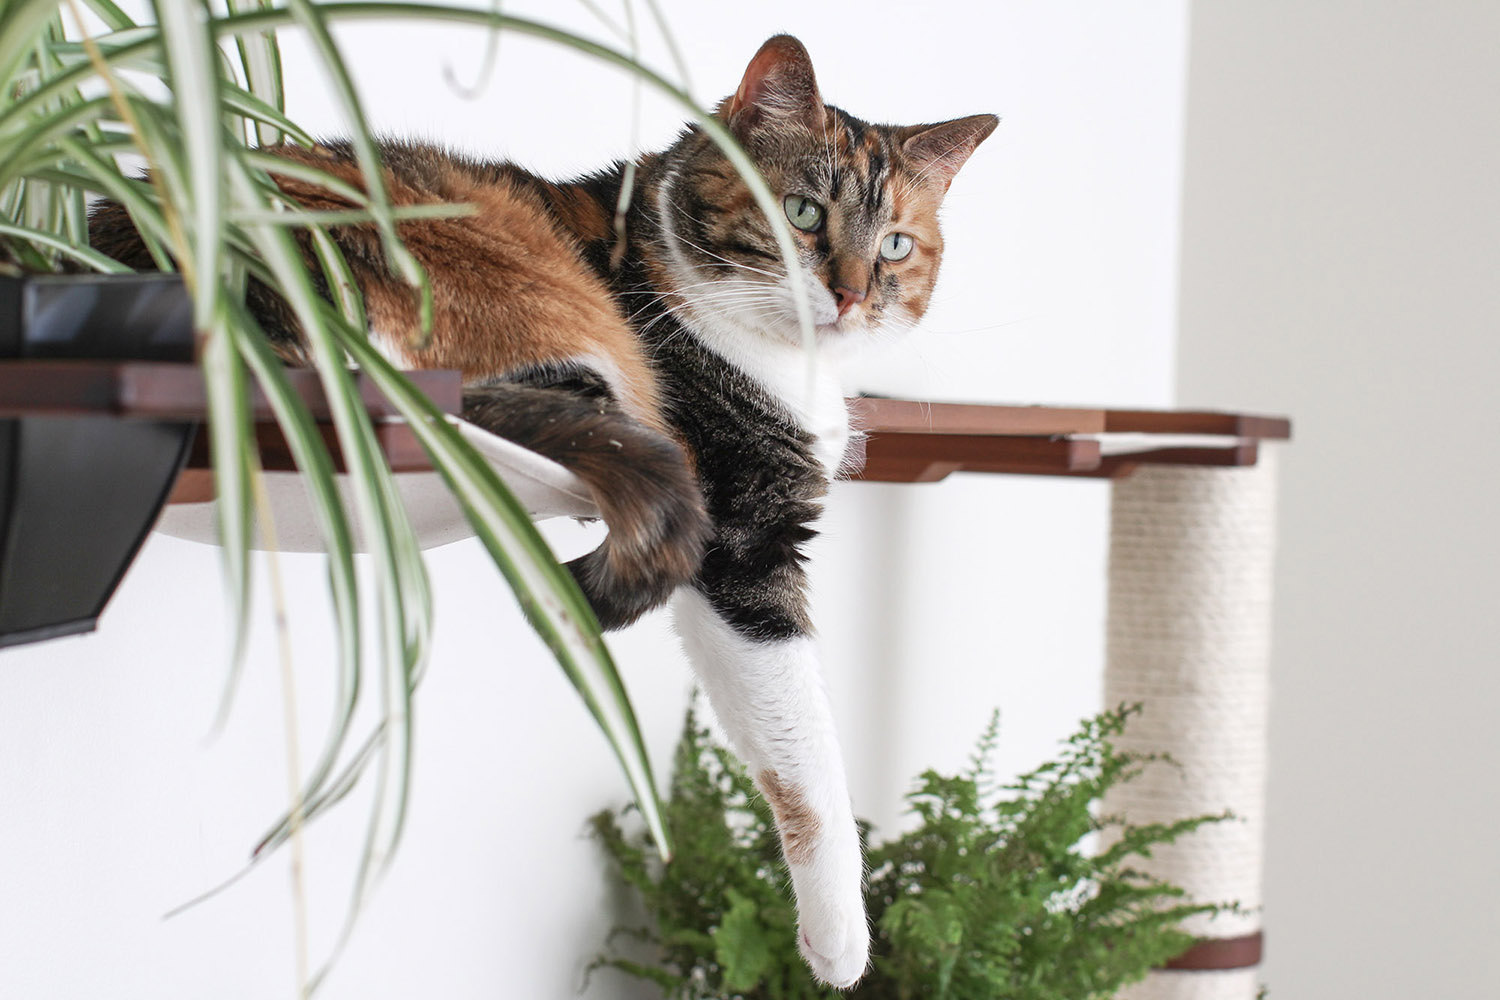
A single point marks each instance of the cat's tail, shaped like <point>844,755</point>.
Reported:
<point>641,481</point>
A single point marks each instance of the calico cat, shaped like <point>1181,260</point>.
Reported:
<point>668,372</point>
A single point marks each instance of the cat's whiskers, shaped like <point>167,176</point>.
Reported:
<point>755,300</point>
<point>720,257</point>
<point>757,315</point>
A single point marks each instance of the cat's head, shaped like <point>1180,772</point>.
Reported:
<point>862,201</point>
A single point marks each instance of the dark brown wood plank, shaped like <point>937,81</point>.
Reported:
<point>1240,425</point>
<point>910,416</point>
<point>59,388</point>
<point>1217,954</point>
<point>1242,454</point>
<point>401,447</point>
<point>172,392</point>
<point>195,484</point>
<point>175,391</point>
<point>925,458</point>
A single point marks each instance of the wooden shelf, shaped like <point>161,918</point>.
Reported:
<point>174,391</point>
<point>912,442</point>
<point>906,441</point>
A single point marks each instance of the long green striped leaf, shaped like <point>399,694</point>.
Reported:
<point>21,22</point>
<point>66,246</point>
<point>232,447</point>
<point>95,174</point>
<point>191,55</point>
<point>46,130</point>
<point>261,58</point>
<point>380,523</point>
<point>547,593</point>
<point>313,461</point>
<point>310,18</point>
<point>115,18</point>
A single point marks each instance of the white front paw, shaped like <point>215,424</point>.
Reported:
<point>832,931</point>
<point>822,850</point>
<point>835,942</point>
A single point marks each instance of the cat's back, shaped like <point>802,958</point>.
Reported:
<point>512,287</point>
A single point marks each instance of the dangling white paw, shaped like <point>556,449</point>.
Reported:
<point>821,847</point>
<point>835,943</point>
<point>832,931</point>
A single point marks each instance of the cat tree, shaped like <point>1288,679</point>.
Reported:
<point>1192,536</point>
<point>1191,545</point>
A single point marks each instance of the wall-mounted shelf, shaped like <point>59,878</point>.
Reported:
<point>905,441</point>
<point>913,442</point>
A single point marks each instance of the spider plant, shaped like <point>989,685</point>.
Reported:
<point>195,90</point>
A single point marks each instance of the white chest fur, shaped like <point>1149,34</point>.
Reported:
<point>806,384</point>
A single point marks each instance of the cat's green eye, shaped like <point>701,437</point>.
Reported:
<point>896,246</point>
<point>804,213</point>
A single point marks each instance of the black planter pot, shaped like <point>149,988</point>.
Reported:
<point>78,494</point>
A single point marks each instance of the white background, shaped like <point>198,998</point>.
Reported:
<point>936,603</point>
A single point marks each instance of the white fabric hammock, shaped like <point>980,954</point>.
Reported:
<point>542,486</point>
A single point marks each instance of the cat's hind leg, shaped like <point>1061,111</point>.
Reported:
<point>640,479</point>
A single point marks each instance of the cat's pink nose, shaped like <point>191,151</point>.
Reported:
<point>848,299</point>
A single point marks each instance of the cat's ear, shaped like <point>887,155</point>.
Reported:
<point>778,89</point>
<point>939,150</point>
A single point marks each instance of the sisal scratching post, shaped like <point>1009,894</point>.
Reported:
<point>1189,637</point>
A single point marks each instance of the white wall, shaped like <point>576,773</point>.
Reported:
<point>937,603</point>
<point>1341,263</point>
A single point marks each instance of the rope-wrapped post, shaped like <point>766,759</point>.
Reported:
<point>1189,638</point>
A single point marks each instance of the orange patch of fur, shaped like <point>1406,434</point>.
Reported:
<point>509,288</point>
<point>795,819</point>
<point>915,211</point>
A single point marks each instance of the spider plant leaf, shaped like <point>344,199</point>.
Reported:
<point>13,198</point>
<point>21,23</point>
<point>136,48</point>
<point>339,278</point>
<point>311,19</point>
<point>269,120</point>
<point>35,100</point>
<point>272,165</point>
<point>381,523</point>
<point>26,255</point>
<point>67,246</point>
<point>547,593</point>
<point>115,18</point>
<point>231,444</point>
<point>48,129</point>
<point>44,158</point>
<point>332,793</point>
<point>260,55</point>
<point>316,467</point>
<point>94,173</point>
<point>194,80</point>
<point>304,218</point>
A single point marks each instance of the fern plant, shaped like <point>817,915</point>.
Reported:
<point>992,895</point>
